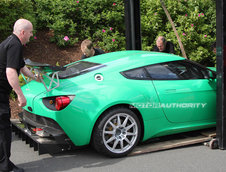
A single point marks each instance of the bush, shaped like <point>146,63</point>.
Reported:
<point>12,10</point>
<point>195,22</point>
<point>103,22</point>
<point>61,17</point>
<point>70,20</point>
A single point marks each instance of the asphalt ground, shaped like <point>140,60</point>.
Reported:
<point>195,158</point>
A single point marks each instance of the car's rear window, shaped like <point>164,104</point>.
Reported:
<point>79,68</point>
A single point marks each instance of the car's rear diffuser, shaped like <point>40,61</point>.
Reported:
<point>42,145</point>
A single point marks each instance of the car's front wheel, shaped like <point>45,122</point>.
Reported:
<point>117,132</point>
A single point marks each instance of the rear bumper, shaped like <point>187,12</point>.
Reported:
<point>48,125</point>
<point>51,138</point>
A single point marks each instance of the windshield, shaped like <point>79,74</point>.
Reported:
<point>79,69</point>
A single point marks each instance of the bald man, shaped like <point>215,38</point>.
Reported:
<point>162,45</point>
<point>11,64</point>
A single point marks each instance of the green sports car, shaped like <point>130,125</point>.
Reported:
<point>116,100</point>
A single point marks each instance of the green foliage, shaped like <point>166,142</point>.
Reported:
<point>83,19</point>
<point>12,10</point>
<point>195,22</point>
<point>61,17</point>
<point>13,95</point>
<point>21,80</point>
<point>103,22</point>
<point>110,40</point>
<point>56,16</point>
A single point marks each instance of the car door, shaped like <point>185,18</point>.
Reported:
<point>186,91</point>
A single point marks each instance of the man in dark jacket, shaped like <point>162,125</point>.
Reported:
<point>11,64</point>
<point>162,45</point>
<point>88,50</point>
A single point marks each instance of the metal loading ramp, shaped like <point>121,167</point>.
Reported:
<point>205,136</point>
<point>46,145</point>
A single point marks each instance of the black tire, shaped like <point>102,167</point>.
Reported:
<point>116,133</point>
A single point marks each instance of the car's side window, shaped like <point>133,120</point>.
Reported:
<point>138,73</point>
<point>186,70</point>
<point>177,70</point>
<point>161,71</point>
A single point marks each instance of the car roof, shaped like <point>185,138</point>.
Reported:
<point>133,58</point>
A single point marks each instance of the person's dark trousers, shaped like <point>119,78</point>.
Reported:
<point>5,133</point>
<point>5,146</point>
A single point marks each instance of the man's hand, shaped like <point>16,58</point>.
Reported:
<point>38,78</point>
<point>22,100</point>
<point>28,73</point>
<point>12,77</point>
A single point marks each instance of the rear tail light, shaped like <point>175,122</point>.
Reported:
<point>57,103</point>
<point>62,102</point>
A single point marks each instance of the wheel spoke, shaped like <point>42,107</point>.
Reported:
<point>119,120</point>
<point>113,125</point>
<point>131,134</point>
<point>109,132</point>
<point>130,126</point>
<point>115,144</point>
<point>121,144</point>
<point>111,139</point>
<point>129,142</point>
<point>125,122</point>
